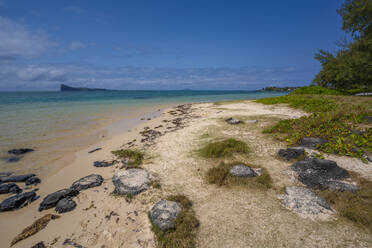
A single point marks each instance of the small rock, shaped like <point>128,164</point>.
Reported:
<point>20,178</point>
<point>39,245</point>
<point>241,170</point>
<point>93,180</point>
<point>131,181</point>
<point>20,151</point>
<point>33,181</point>
<point>102,164</point>
<point>291,153</point>
<point>13,159</point>
<point>305,202</point>
<point>251,121</point>
<point>315,173</point>
<point>233,121</point>
<point>52,199</point>
<point>17,201</point>
<point>164,214</point>
<point>94,150</point>
<point>312,143</point>
<point>7,188</point>
<point>65,205</point>
<point>72,243</point>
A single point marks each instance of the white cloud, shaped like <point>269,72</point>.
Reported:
<point>16,40</point>
<point>75,45</point>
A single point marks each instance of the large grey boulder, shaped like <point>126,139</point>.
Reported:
<point>93,180</point>
<point>304,202</point>
<point>291,153</point>
<point>312,143</point>
<point>51,200</point>
<point>17,201</point>
<point>241,170</point>
<point>131,181</point>
<point>316,173</point>
<point>164,214</point>
<point>7,188</point>
<point>65,205</point>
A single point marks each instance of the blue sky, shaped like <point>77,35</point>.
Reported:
<point>163,44</point>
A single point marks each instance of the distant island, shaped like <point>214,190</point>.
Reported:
<point>69,88</point>
<point>274,88</point>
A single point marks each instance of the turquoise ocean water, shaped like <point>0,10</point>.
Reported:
<point>57,121</point>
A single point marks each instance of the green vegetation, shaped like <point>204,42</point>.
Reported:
<point>134,157</point>
<point>350,66</point>
<point>356,207</point>
<point>184,235</point>
<point>224,148</point>
<point>339,119</point>
<point>318,90</point>
<point>220,176</point>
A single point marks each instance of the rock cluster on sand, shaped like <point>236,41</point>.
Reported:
<point>17,201</point>
<point>52,199</point>
<point>131,181</point>
<point>312,143</point>
<point>305,202</point>
<point>93,180</point>
<point>164,214</point>
<point>322,174</point>
<point>233,121</point>
<point>291,153</point>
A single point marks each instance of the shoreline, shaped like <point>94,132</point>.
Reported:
<point>102,219</point>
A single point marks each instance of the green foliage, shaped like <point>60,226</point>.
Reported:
<point>350,67</point>
<point>184,235</point>
<point>224,148</point>
<point>335,123</point>
<point>134,157</point>
<point>318,90</point>
<point>220,176</point>
<point>356,207</point>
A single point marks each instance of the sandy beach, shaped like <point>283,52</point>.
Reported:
<point>229,216</point>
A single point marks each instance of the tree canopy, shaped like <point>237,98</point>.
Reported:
<point>350,66</point>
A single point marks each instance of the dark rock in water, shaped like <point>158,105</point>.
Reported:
<point>33,181</point>
<point>312,143</point>
<point>13,159</point>
<point>17,201</point>
<point>164,214</point>
<point>242,170</point>
<point>291,153</point>
<point>131,182</point>
<point>39,245</point>
<point>87,182</point>
<point>233,121</point>
<point>342,186</point>
<point>316,173</point>
<point>20,151</point>
<point>7,188</point>
<point>20,178</point>
<point>94,150</point>
<point>65,205</point>
<point>102,164</point>
<point>51,200</point>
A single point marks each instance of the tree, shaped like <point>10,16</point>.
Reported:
<point>351,65</point>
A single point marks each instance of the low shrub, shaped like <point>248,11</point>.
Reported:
<point>134,157</point>
<point>224,148</point>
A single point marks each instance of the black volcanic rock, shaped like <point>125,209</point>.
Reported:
<point>7,188</point>
<point>52,199</point>
<point>69,88</point>
<point>20,178</point>
<point>20,151</point>
<point>17,201</point>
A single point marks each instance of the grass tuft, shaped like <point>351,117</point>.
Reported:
<point>134,157</point>
<point>220,176</point>
<point>356,207</point>
<point>224,148</point>
<point>184,235</point>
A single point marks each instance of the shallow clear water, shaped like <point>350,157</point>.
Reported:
<point>54,121</point>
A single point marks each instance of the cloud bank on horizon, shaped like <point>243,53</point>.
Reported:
<point>40,57</point>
